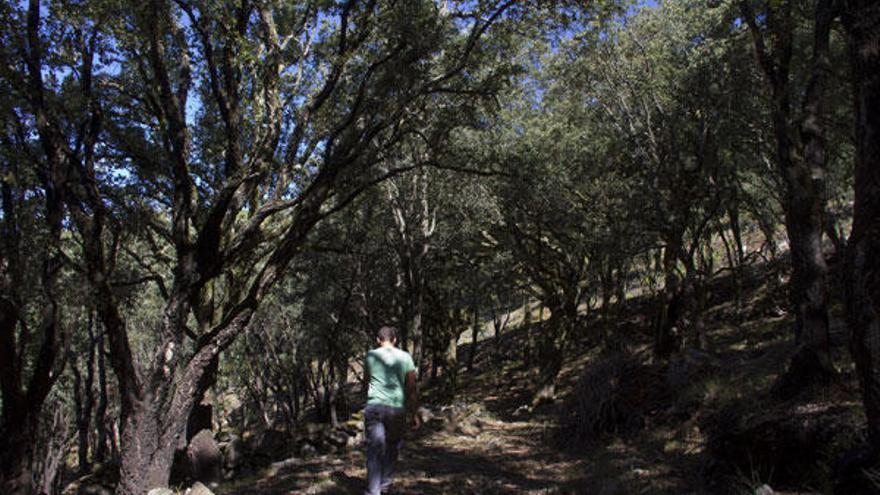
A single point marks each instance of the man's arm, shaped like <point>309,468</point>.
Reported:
<point>412,398</point>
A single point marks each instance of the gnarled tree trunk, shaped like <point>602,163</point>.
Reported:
<point>552,346</point>
<point>801,162</point>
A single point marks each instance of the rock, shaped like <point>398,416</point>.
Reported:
<point>425,414</point>
<point>233,453</point>
<point>205,458</point>
<point>764,490</point>
<point>199,489</point>
<point>468,429</point>
<point>338,438</point>
<point>314,429</point>
<point>286,463</point>
<point>353,441</point>
<point>351,426</point>
<point>307,450</point>
<point>160,491</point>
<point>523,410</point>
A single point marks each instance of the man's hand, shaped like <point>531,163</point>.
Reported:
<point>416,422</point>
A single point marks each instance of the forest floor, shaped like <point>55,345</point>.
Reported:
<point>674,449</point>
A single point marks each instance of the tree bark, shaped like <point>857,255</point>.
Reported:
<point>861,20</point>
<point>550,359</point>
<point>671,305</point>
<point>801,161</point>
<point>101,410</point>
<point>450,364</point>
<point>475,333</point>
<point>551,353</point>
<point>84,398</point>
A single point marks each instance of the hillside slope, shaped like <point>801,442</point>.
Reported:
<point>710,421</point>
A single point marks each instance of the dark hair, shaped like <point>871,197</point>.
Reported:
<point>387,334</point>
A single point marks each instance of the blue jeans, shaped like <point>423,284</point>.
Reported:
<point>385,429</point>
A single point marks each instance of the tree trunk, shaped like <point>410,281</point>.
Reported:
<point>531,337</point>
<point>435,365</point>
<point>415,331</point>
<point>499,324</point>
<point>805,219</point>
<point>526,330</point>
<point>17,452</point>
<point>475,333</point>
<point>550,358</point>
<point>552,351</point>
<point>862,22</point>
<point>154,427</point>
<point>665,339</point>
<point>101,410</point>
<point>607,288</point>
<point>800,158</point>
<point>84,398</point>
<point>145,461</point>
<point>736,229</point>
<point>450,365</point>
<point>331,391</point>
<point>621,287</point>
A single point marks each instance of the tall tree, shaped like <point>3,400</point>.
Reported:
<point>861,18</point>
<point>801,163</point>
<point>238,129</point>
<point>32,186</point>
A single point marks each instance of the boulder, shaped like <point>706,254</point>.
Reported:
<point>764,490</point>
<point>233,453</point>
<point>307,450</point>
<point>160,491</point>
<point>199,489</point>
<point>338,438</point>
<point>425,414</point>
<point>352,442</point>
<point>205,458</point>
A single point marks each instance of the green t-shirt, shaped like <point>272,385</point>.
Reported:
<point>388,367</point>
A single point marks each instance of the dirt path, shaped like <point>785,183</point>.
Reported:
<point>504,458</point>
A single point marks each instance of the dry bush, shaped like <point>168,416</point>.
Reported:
<point>614,394</point>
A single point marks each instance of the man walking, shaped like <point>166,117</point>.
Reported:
<point>391,397</point>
